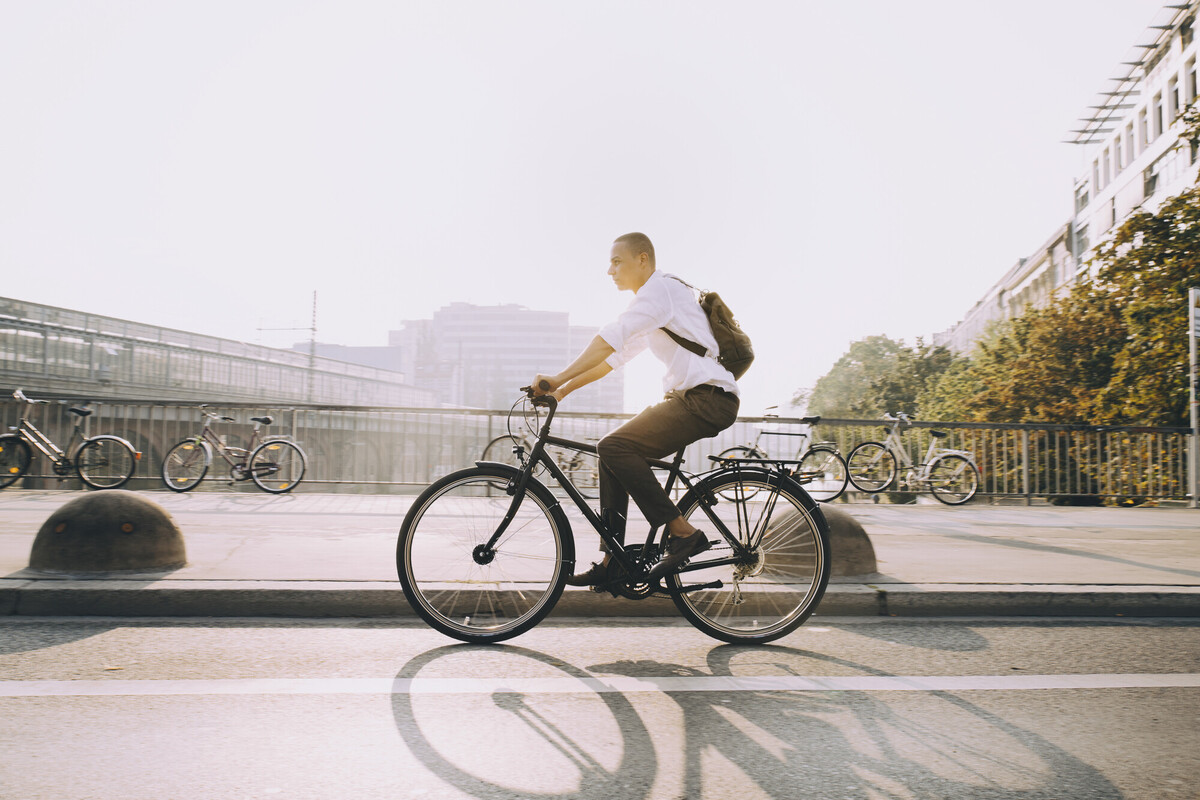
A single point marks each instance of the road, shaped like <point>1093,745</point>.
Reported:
<point>856,708</point>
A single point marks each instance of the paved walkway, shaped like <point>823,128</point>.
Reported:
<point>253,554</point>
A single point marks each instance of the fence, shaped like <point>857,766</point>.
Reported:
<point>381,449</point>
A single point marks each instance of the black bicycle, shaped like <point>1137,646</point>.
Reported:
<point>484,553</point>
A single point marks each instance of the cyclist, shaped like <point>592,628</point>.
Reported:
<point>701,400</point>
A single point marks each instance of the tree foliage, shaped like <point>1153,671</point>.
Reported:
<point>876,375</point>
<point>1112,350</point>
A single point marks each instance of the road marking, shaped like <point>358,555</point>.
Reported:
<point>622,685</point>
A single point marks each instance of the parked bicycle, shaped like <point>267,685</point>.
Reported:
<point>818,466</point>
<point>583,469</point>
<point>275,465</point>
<point>102,462</point>
<point>951,475</point>
<point>483,565</point>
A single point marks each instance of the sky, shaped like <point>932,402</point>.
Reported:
<point>835,170</point>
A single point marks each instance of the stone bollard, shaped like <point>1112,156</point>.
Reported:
<point>109,531</point>
<point>853,553</point>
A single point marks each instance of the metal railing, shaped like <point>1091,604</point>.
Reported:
<point>380,449</point>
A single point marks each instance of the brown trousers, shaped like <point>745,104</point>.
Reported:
<point>659,431</point>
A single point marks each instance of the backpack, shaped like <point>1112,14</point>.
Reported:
<point>735,351</point>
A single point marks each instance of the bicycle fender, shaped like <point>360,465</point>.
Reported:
<point>137,454</point>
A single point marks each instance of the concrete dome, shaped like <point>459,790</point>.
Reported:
<point>108,531</point>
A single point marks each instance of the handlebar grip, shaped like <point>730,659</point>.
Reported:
<point>544,385</point>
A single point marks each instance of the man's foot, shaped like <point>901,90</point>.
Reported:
<point>596,576</point>
<point>679,550</point>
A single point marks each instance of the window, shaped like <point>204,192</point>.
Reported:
<point>1143,132</point>
<point>1156,117</point>
<point>1118,156</point>
<point>1130,153</point>
<point>1081,198</point>
<point>1189,86</point>
<point>1172,100</point>
<point>1096,176</point>
<point>1107,161</point>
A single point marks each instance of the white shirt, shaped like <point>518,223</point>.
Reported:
<point>664,301</point>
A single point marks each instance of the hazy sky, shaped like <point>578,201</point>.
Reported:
<point>834,169</point>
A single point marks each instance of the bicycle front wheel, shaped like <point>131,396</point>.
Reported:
<point>15,455</point>
<point>186,465</point>
<point>459,586</point>
<point>953,480</point>
<point>780,580</point>
<point>105,462</point>
<point>277,466</point>
<point>871,466</point>
<point>823,474</point>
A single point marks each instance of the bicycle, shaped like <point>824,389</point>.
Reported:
<point>275,465</point>
<point>101,462</point>
<point>818,467</point>
<point>952,475</point>
<point>483,565</point>
<point>582,469</point>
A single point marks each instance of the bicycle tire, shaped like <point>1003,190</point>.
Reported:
<point>871,467</point>
<point>512,590</point>
<point>15,457</point>
<point>823,474</point>
<point>774,591</point>
<point>953,479</point>
<point>186,464</point>
<point>277,466</point>
<point>741,451</point>
<point>105,462</point>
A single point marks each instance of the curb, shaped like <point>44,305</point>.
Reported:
<point>323,599</point>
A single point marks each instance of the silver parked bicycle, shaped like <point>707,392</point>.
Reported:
<point>951,475</point>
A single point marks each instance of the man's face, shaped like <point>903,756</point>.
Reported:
<point>627,269</point>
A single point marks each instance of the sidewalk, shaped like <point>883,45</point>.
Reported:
<point>332,555</point>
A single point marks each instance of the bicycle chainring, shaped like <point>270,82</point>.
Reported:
<point>619,583</point>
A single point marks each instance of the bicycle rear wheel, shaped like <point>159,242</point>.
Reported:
<point>465,591</point>
<point>822,473</point>
<point>871,466</point>
<point>185,465</point>
<point>953,480</point>
<point>779,584</point>
<point>15,455</point>
<point>277,466</point>
<point>105,462</point>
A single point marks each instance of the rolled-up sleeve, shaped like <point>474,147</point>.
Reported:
<point>626,335</point>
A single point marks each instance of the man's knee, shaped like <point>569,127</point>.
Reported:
<point>614,447</point>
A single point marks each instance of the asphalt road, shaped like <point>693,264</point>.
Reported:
<point>857,708</point>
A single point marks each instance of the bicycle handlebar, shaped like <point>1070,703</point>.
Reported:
<point>20,395</point>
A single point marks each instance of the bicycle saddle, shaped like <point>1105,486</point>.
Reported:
<point>80,410</point>
<point>263,420</point>
<point>938,434</point>
<point>811,420</point>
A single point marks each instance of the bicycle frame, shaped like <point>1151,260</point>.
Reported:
<point>43,444</point>
<point>919,472</point>
<point>620,552</point>
<point>233,456</point>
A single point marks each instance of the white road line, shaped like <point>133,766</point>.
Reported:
<point>568,685</point>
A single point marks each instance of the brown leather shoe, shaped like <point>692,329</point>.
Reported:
<point>679,550</point>
<point>597,575</point>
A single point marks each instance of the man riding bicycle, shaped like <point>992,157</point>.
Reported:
<point>701,400</point>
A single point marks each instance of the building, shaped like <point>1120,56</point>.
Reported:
<point>64,353</point>
<point>1136,159</point>
<point>479,356</point>
<point>473,356</point>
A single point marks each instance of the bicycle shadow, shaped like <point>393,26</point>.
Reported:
<point>856,744</point>
<point>778,744</point>
<point>473,745</point>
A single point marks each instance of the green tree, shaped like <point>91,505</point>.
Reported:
<point>1149,264</point>
<point>876,375</point>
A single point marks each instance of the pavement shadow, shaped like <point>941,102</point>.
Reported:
<point>21,638</point>
<point>473,746</point>
<point>857,744</point>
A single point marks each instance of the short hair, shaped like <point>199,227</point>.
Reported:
<point>639,243</point>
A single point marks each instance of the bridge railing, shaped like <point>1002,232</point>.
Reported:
<point>382,449</point>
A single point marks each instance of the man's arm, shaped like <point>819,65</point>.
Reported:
<point>588,367</point>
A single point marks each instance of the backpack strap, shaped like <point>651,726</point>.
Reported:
<point>694,348</point>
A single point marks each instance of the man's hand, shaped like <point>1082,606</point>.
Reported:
<point>545,384</point>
